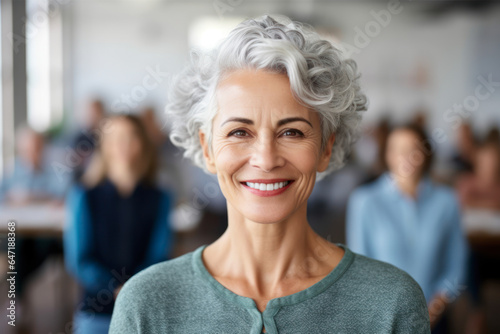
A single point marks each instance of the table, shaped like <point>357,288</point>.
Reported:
<point>34,219</point>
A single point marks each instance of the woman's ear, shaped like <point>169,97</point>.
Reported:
<point>326,154</point>
<point>209,162</point>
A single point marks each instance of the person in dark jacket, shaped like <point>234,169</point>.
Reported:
<point>117,220</point>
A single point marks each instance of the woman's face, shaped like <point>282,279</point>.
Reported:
<point>122,144</point>
<point>263,138</point>
<point>487,163</point>
<point>404,155</point>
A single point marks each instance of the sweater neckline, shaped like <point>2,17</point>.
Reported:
<point>274,304</point>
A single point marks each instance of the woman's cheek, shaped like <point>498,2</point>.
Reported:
<point>229,157</point>
<point>303,156</point>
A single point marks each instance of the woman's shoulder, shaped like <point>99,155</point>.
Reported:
<point>387,293</point>
<point>80,190</point>
<point>383,280</point>
<point>76,194</point>
<point>154,294</point>
<point>373,189</point>
<point>168,276</point>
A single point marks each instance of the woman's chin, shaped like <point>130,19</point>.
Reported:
<point>261,217</point>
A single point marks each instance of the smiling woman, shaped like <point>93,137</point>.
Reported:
<point>270,111</point>
<point>262,136</point>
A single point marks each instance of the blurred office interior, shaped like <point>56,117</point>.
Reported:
<point>66,65</point>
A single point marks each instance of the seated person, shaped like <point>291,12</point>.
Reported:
<point>32,180</point>
<point>118,220</point>
<point>480,189</point>
<point>406,219</point>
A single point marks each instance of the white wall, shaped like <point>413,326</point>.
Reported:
<point>113,43</point>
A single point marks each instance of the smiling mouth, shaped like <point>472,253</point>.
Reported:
<point>267,186</point>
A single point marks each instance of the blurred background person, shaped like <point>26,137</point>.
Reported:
<point>440,57</point>
<point>481,187</point>
<point>406,219</point>
<point>156,135</point>
<point>493,135</point>
<point>85,140</point>
<point>370,150</point>
<point>201,214</point>
<point>169,165</point>
<point>479,193</point>
<point>466,145</point>
<point>118,220</point>
<point>32,179</point>
<point>31,184</point>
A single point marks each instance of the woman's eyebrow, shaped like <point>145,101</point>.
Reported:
<point>293,119</point>
<point>280,122</point>
<point>238,119</point>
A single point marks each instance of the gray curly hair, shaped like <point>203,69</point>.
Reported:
<point>319,77</point>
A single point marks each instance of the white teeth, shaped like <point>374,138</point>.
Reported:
<point>267,186</point>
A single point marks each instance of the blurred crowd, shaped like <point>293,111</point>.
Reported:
<point>131,200</point>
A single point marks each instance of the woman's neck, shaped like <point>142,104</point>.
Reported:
<point>408,185</point>
<point>124,178</point>
<point>267,256</point>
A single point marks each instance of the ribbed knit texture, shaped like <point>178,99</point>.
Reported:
<point>360,295</point>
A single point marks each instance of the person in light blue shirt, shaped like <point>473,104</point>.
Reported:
<point>406,219</point>
<point>32,180</point>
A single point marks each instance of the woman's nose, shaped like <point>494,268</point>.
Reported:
<point>267,156</point>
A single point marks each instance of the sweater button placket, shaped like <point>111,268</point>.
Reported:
<point>268,315</point>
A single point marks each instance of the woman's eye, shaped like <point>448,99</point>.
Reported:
<point>292,133</point>
<point>238,133</point>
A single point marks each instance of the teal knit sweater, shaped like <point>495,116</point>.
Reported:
<point>360,295</point>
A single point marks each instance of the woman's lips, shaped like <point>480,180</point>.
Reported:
<point>266,188</point>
